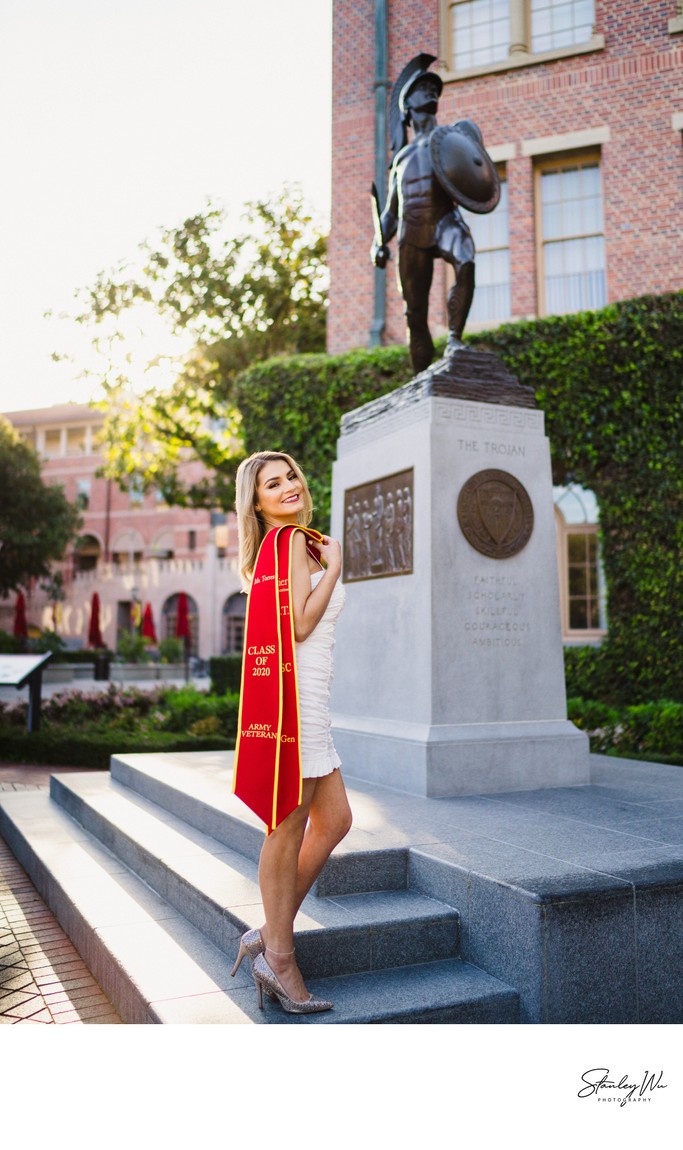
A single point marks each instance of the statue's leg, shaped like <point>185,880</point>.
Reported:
<point>456,247</point>
<point>459,303</point>
<point>415,269</point>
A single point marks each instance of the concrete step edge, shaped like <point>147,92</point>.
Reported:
<point>165,971</point>
<point>213,809</point>
<point>415,924</point>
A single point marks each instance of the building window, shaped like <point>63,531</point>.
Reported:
<point>582,583</point>
<point>192,540</point>
<point>571,239</point>
<point>492,300</point>
<point>53,443</point>
<point>136,493</point>
<point>560,23</point>
<point>234,613</point>
<point>83,494</point>
<point>492,35</point>
<point>162,546</point>
<point>583,610</point>
<point>75,441</point>
<point>169,616</point>
<point>87,553</point>
<point>480,32</point>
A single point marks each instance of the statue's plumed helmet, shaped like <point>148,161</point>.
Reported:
<point>399,114</point>
<point>411,84</point>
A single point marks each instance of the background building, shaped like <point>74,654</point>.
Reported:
<point>133,549</point>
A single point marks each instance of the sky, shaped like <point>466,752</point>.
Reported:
<point>123,116</point>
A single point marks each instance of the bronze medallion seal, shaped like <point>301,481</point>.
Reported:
<point>495,514</point>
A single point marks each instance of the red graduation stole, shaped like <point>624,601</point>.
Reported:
<point>267,773</point>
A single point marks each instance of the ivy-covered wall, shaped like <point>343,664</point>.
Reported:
<point>610,383</point>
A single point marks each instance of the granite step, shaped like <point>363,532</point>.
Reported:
<point>216,888</point>
<point>197,789</point>
<point>157,967</point>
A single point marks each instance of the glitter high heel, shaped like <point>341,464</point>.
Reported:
<point>251,944</point>
<point>266,980</point>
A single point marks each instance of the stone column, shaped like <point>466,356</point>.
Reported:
<point>519,27</point>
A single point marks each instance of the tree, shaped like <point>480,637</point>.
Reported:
<point>36,519</point>
<point>238,299</point>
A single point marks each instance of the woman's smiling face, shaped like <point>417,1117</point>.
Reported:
<point>279,493</point>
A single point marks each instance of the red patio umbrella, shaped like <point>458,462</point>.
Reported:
<point>182,627</point>
<point>20,628</point>
<point>94,633</point>
<point>148,631</point>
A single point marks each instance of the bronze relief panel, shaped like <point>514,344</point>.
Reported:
<point>378,528</point>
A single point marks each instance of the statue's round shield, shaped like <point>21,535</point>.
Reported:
<point>463,167</point>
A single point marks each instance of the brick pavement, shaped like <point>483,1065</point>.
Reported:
<point>43,978</point>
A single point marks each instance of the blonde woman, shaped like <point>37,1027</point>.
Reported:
<point>271,494</point>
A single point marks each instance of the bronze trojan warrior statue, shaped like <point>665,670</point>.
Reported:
<point>440,168</point>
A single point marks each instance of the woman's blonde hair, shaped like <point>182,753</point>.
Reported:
<point>250,524</point>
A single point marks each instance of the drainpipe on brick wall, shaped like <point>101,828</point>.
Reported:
<point>381,88</point>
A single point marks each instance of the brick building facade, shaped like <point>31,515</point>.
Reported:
<point>581,106</point>
<point>133,549</point>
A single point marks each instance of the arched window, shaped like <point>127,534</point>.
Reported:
<point>582,583</point>
<point>162,545</point>
<point>234,611</point>
<point>128,548</point>
<point>169,615</point>
<point>87,553</point>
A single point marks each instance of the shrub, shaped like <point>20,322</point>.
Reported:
<point>226,674</point>
<point>185,707</point>
<point>131,647</point>
<point>644,731</point>
<point>87,655</point>
<point>10,644</point>
<point>171,650</point>
<point>73,748</point>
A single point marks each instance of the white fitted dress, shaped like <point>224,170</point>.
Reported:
<point>314,676</point>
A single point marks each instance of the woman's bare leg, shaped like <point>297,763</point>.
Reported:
<point>291,859</point>
<point>278,867</point>
<point>329,820</point>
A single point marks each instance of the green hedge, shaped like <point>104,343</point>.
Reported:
<point>609,382</point>
<point>226,674</point>
<point>651,731</point>
<point>94,749</point>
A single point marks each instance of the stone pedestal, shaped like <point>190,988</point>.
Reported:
<point>449,676</point>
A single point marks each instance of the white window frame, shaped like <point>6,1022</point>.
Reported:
<point>519,55</point>
<point>564,160</point>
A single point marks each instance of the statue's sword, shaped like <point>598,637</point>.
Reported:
<point>377,216</point>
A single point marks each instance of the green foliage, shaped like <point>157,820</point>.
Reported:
<point>36,520</point>
<point>171,650</point>
<point>231,299</point>
<point>82,729</point>
<point>48,641</point>
<point>609,383</point>
<point>651,731</point>
<point>94,750</point>
<point>226,674</point>
<point>86,656</point>
<point>295,405</point>
<point>11,644</point>
<point>186,707</point>
<point>131,647</point>
<point>582,672</point>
